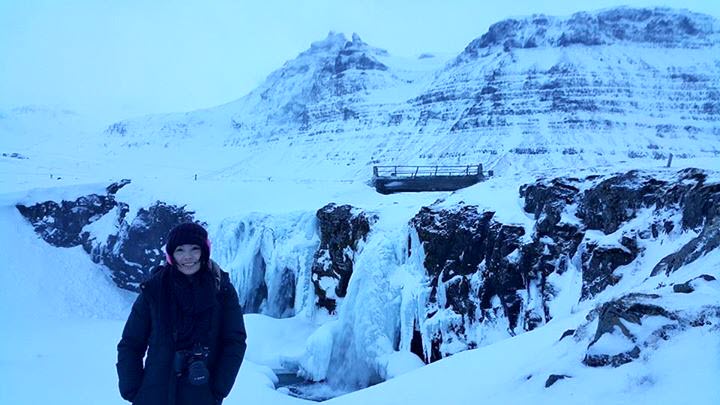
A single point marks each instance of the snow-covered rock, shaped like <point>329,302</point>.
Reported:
<point>342,229</point>
<point>130,246</point>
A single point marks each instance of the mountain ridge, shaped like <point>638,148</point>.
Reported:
<point>653,26</point>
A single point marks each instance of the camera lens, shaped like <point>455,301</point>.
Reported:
<point>198,373</point>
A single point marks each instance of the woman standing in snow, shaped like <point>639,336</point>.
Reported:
<point>188,319</point>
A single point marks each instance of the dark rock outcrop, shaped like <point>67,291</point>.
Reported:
<point>554,242</point>
<point>687,287</point>
<point>137,247</point>
<point>480,270</point>
<point>567,333</point>
<point>599,263</point>
<point>461,246</point>
<point>341,228</point>
<point>614,360</point>
<point>547,201</point>
<point>553,378</point>
<point>617,200</point>
<point>709,239</point>
<point>613,316</point>
<point>61,224</point>
<point>625,316</point>
<point>130,251</point>
<point>701,202</point>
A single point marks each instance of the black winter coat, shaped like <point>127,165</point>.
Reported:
<point>149,328</point>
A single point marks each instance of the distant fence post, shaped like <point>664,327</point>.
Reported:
<point>375,171</point>
<point>669,162</point>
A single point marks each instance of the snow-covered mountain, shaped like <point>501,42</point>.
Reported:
<point>592,89</point>
<point>26,129</point>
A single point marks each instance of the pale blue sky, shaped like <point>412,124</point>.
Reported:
<point>126,57</point>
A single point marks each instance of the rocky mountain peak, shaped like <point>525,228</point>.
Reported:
<point>358,55</point>
<point>658,26</point>
<point>337,44</point>
<point>329,68</point>
<point>332,43</point>
<point>356,38</point>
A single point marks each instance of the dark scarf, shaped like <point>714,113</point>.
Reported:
<point>192,300</point>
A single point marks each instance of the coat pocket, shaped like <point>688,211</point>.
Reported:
<point>155,385</point>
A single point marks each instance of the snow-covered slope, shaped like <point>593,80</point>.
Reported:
<point>52,283</point>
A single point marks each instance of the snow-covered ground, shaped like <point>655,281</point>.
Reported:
<point>63,315</point>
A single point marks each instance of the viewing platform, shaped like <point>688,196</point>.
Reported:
<point>398,179</point>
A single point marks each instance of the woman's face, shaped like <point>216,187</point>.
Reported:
<point>187,258</point>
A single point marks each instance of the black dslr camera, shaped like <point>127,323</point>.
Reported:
<point>193,362</point>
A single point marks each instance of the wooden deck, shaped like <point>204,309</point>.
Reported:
<point>397,179</point>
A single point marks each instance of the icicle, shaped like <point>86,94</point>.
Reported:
<point>268,258</point>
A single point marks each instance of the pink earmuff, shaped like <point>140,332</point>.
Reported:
<point>168,259</point>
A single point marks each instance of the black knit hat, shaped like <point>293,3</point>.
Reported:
<point>188,234</point>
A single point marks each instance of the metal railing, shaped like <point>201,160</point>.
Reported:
<point>427,171</point>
